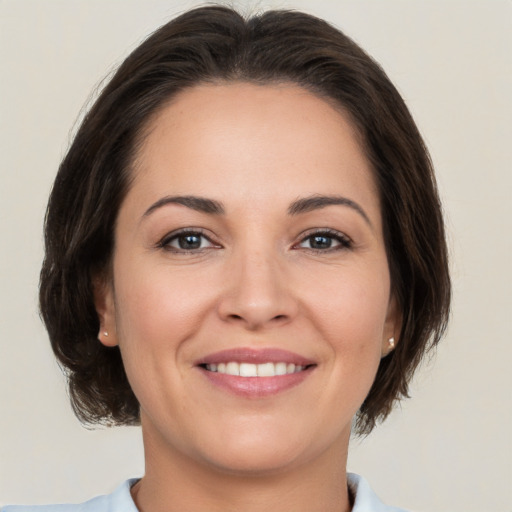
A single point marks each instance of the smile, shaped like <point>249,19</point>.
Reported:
<point>255,373</point>
<point>268,369</point>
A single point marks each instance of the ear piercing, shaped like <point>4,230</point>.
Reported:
<point>105,333</point>
<point>390,348</point>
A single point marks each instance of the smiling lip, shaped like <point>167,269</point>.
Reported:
<point>256,386</point>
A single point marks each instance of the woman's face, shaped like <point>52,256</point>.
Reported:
<point>250,242</point>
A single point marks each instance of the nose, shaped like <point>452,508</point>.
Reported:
<point>258,292</point>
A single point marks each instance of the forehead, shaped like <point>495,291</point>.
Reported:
<point>248,141</point>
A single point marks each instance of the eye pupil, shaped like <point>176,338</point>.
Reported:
<point>321,242</point>
<point>189,241</point>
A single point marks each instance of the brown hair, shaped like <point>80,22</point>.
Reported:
<point>213,44</point>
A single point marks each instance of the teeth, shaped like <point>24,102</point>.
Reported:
<point>255,370</point>
<point>248,370</point>
<point>281,368</point>
<point>232,368</point>
<point>266,370</point>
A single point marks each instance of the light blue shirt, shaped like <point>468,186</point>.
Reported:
<point>121,501</point>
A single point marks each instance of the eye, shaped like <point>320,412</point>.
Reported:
<point>325,240</point>
<point>186,241</point>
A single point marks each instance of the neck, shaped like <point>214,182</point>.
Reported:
<point>177,482</point>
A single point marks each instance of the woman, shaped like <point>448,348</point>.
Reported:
<point>245,254</point>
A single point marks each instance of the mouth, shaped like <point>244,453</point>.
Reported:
<point>255,373</point>
<point>268,369</point>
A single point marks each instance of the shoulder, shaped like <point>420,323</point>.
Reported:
<point>365,500</point>
<point>119,501</point>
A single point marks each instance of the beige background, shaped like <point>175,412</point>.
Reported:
<point>446,450</point>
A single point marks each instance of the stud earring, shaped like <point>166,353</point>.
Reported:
<point>391,342</point>
<point>105,333</point>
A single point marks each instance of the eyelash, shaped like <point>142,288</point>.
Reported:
<point>165,243</point>
<point>343,240</point>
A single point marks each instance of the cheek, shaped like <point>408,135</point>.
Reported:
<point>352,308</point>
<point>156,314</point>
<point>351,317</point>
<point>159,307</point>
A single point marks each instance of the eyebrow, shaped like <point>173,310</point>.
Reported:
<point>317,202</point>
<point>303,205</point>
<point>200,204</point>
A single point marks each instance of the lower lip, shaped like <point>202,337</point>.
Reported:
<point>256,387</point>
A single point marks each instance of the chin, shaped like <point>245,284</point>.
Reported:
<point>260,460</point>
<point>265,449</point>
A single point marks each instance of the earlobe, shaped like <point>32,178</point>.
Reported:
<point>106,338</point>
<point>392,326</point>
<point>388,346</point>
<point>105,308</point>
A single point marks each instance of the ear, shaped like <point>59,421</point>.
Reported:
<point>105,307</point>
<point>392,327</point>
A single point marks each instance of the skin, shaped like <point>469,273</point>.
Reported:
<point>256,281</point>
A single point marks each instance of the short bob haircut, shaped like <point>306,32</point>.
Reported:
<point>215,45</point>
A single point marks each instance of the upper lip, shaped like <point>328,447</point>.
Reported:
<point>255,356</point>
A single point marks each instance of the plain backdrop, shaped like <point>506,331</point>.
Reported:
<point>448,449</point>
